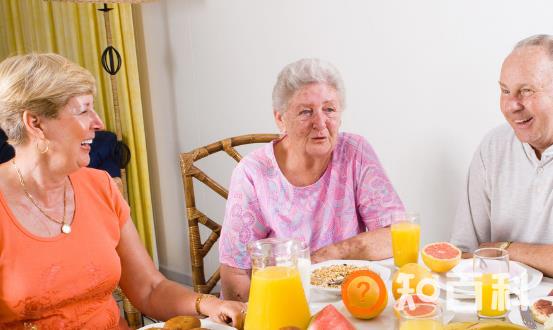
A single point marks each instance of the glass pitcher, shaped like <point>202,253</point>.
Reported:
<point>277,298</point>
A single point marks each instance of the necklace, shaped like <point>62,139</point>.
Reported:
<point>65,227</point>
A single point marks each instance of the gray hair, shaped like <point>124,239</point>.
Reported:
<point>542,40</point>
<point>304,72</point>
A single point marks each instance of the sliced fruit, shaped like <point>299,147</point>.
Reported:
<point>421,310</point>
<point>364,294</point>
<point>329,318</point>
<point>402,304</point>
<point>441,257</point>
<point>419,273</point>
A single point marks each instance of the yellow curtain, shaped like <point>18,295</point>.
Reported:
<point>77,32</point>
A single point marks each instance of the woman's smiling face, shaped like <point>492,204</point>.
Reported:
<point>72,131</point>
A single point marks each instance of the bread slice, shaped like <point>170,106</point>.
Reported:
<point>548,325</point>
<point>182,323</point>
<point>542,308</point>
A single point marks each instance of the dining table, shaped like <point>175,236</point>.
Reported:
<point>455,309</point>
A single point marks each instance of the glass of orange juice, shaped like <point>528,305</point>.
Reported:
<point>277,298</point>
<point>491,271</point>
<point>421,316</point>
<point>406,233</point>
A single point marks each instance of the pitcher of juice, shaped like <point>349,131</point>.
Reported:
<point>277,297</point>
<point>405,238</point>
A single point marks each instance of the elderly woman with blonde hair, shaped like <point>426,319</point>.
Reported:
<point>315,184</point>
<point>66,236</point>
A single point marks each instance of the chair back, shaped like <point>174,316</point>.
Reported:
<point>199,249</point>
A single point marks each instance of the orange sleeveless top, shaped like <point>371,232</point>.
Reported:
<point>65,282</point>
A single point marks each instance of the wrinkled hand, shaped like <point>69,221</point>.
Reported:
<point>227,312</point>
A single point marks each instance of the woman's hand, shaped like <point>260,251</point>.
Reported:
<point>225,311</point>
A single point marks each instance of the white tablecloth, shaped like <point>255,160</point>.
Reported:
<point>464,309</point>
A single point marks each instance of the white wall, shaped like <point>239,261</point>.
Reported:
<point>421,80</point>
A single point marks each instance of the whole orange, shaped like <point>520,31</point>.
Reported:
<point>417,272</point>
<point>364,294</point>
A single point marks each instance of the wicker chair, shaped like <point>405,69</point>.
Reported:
<point>199,250</point>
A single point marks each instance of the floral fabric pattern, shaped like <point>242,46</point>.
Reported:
<point>353,195</point>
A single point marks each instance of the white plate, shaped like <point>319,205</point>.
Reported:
<point>514,314</point>
<point>206,323</point>
<point>463,273</point>
<point>514,317</point>
<point>382,271</point>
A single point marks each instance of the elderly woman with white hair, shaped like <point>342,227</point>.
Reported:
<point>66,235</point>
<point>322,187</point>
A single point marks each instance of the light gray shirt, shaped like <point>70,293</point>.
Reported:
<point>508,194</point>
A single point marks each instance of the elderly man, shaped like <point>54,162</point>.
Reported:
<point>508,200</point>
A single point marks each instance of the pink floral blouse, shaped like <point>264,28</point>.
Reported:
<point>353,195</point>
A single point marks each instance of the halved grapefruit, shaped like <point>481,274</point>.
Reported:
<point>403,303</point>
<point>422,310</point>
<point>441,257</point>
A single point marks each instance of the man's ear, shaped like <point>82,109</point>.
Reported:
<point>33,124</point>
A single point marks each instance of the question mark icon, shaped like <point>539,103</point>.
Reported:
<point>367,287</point>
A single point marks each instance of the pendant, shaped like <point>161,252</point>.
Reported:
<point>66,228</point>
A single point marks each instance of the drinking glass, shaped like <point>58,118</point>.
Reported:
<point>405,238</point>
<point>421,316</point>
<point>491,271</point>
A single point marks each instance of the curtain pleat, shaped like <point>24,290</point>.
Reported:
<point>77,32</point>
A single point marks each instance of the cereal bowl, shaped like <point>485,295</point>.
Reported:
<point>328,276</point>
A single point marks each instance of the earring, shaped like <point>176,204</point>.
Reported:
<point>45,150</point>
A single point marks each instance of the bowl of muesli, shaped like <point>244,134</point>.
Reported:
<point>328,276</point>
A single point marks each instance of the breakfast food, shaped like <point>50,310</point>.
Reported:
<point>182,323</point>
<point>332,276</point>
<point>364,294</point>
<point>548,325</point>
<point>542,309</point>
<point>329,318</point>
<point>441,257</point>
<point>417,274</point>
<point>401,304</point>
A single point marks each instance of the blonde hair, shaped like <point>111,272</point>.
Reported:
<point>41,84</point>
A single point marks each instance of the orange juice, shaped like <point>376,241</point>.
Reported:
<point>276,300</point>
<point>421,325</point>
<point>405,242</point>
<point>484,296</point>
